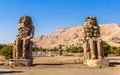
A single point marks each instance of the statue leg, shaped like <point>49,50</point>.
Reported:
<point>100,49</point>
<point>92,49</point>
<point>14,50</point>
<point>25,49</point>
<point>86,50</point>
<point>30,50</point>
<point>18,48</point>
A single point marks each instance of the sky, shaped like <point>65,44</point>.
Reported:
<point>50,15</point>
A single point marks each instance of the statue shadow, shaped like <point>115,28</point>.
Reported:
<point>113,64</point>
<point>9,72</point>
<point>51,64</point>
<point>47,64</point>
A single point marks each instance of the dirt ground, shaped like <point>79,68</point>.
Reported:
<point>59,66</point>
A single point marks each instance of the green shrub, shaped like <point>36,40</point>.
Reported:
<point>36,49</point>
<point>42,49</point>
<point>80,50</point>
<point>55,49</point>
<point>112,50</point>
<point>1,46</point>
<point>107,48</point>
<point>117,51</point>
<point>7,51</point>
<point>75,50</point>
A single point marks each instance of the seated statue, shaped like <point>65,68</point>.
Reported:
<point>92,43</point>
<point>23,45</point>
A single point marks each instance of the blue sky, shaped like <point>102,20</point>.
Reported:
<point>50,15</point>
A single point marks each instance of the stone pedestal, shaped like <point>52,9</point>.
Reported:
<point>96,62</point>
<point>20,62</point>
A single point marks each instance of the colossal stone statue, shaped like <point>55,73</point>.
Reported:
<point>23,45</point>
<point>92,43</point>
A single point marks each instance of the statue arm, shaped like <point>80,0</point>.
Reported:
<point>18,36</point>
<point>31,35</point>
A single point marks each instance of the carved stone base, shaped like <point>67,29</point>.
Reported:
<point>95,62</point>
<point>20,62</point>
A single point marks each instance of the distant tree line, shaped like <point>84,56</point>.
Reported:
<point>7,51</point>
<point>75,49</point>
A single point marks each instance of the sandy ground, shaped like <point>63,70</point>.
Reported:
<point>60,66</point>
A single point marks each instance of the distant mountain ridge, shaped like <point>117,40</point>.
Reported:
<point>69,36</point>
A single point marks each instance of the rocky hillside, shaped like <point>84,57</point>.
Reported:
<point>69,36</point>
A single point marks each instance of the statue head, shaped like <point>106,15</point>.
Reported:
<point>91,28</point>
<point>25,26</point>
<point>25,21</point>
<point>91,20</point>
